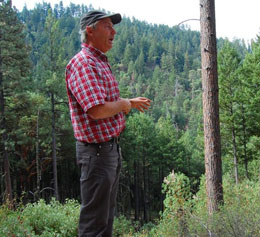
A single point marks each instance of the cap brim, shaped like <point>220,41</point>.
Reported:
<point>115,18</point>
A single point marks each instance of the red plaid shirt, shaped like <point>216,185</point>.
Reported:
<point>89,83</point>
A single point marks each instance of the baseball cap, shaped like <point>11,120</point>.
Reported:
<point>93,16</point>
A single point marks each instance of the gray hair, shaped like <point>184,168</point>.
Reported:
<point>83,33</point>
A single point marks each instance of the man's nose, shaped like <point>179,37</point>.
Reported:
<point>113,31</point>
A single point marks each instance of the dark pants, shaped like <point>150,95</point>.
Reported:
<point>100,167</point>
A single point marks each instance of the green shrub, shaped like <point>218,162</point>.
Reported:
<point>183,215</point>
<point>41,219</point>
<point>53,219</point>
<point>50,220</point>
<point>239,216</point>
<point>123,227</point>
<point>11,224</point>
<point>176,207</point>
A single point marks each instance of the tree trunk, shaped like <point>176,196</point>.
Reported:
<point>148,195</point>
<point>161,182</point>
<point>210,105</point>
<point>145,191</point>
<point>136,192</point>
<point>54,158</point>
<point>38,164</point>
<point>8,186</point>
<point>128,204</point>
<point>235,154</point>
<point>244,142</point>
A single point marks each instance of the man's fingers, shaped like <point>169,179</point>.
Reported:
<point>142,106</point>
<point>141,103</point>
<point>146,104</point>
<point>141,110</point>
<point>144,98</point>
<point>145,107</point>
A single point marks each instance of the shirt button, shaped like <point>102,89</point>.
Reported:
<point>100,146</point>
<point>97,154</point>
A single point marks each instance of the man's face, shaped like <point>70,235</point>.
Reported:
<point>102,35</point>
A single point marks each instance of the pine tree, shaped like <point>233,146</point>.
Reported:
<point>229,85</point>
<point>54,64</point>
<point>14,65</point>
<point>250,80</point>
<point>213,163</point>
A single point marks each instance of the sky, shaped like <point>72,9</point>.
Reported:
<point>235,19</point>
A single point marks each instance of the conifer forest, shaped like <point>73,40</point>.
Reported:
<point>37,146</point>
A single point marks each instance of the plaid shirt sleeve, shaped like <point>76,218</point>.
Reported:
<point>84,84</point>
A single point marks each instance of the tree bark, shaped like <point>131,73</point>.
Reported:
<point>145,191</point>
<point>244,142</point>
<point>213,164</point>
<point>148,195</point>
<point>54,157</point>
<point>161,177</point>
<point>136,192</point>
<point>38,164</point>
<point>235,154</point>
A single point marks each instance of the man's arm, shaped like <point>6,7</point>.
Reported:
<point>110,109</point>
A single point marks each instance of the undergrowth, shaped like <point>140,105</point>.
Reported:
<point>184,214</point>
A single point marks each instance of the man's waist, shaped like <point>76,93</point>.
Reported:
<point>111,141</point>
<point>98,131</point>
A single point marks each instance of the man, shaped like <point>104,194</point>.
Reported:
<point>98,118</point>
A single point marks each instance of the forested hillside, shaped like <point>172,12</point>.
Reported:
<point>155,61</point>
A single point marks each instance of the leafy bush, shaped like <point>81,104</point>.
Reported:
<point>186,216</point>
<point>177,206</point>
<point>51,220</point>
<point>240,216</point>
<point>41,219</point>
<point>183,215</point>
<point>11,224</point>
<point>123,227</point>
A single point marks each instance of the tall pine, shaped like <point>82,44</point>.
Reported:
<point>14,65</point>
<point>229,87</point>
<point>53,85</point>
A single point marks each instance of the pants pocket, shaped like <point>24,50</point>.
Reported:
<point>85,167</point>
<point>82,153</point>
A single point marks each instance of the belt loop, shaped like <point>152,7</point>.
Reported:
<point>117,140</point>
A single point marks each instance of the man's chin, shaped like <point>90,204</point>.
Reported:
<point>109,47</point>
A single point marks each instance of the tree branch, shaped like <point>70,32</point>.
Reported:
<point>188,20</point>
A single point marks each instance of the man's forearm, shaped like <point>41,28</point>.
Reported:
<point>109,109</point>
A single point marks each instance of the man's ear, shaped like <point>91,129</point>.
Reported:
<point>89,30</point>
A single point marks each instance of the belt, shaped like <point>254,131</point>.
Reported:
<point>111,141</point>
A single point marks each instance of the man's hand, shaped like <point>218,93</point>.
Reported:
<point>140,103</point>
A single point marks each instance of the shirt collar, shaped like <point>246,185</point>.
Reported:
<point>95,52</point>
